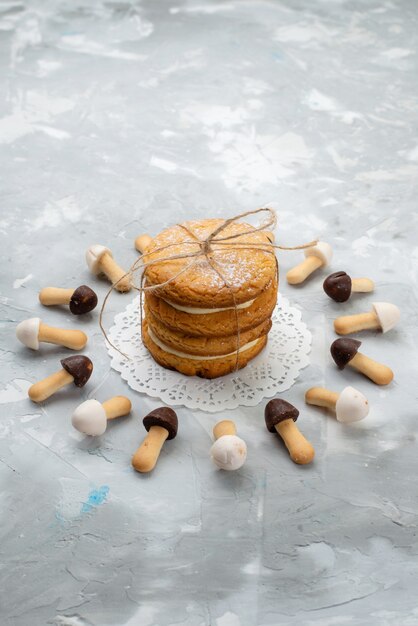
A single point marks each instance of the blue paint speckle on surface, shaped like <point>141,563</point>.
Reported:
<point>95,498</point>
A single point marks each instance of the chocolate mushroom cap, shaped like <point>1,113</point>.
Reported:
<point>83,300</point>
<point>164,417</point>
<point>343,350</point>
<point>277,411</point>
<point>338,286</point>
<point>80,367</point>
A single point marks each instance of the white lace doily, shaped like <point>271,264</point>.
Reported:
<point>274,370</point>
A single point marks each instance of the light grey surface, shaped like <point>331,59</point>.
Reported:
<point>118,118</point>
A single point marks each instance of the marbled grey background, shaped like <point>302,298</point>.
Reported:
<point>121,117</point>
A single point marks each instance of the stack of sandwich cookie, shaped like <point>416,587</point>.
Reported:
<point>195,322</point>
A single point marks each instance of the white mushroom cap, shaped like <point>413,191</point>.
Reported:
<point>27,332</point>
<point>352,406</point>
<point>90,418</point>
<point>93,256</point>
<point>321,250</point>
<point>388,315</point>
<point>229,452</point>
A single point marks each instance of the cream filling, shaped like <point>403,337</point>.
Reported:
<point>195,357</point>
<point>196,311</point>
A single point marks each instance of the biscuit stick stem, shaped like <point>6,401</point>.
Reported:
<point>48,386</point>
<point>73,339</point>
<point>299,273</point>
<point>320,396</point>
<point>146,457</point>
<point>362,285</point>
<point>142,242</point>
<point>225,427</point>
<point>300,450</point>
<point>352,323</point>
<point>378,373</point>
<point>117,407</point>
<point>49,296</point>
<point>114,272</point>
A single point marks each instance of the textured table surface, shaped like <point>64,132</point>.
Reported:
<point>122,117</point>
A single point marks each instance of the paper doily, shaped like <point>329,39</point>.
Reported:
<point>274,370</point>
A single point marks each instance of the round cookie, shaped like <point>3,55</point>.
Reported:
<point>201,367</point>
<point>234,271</point>
<point>220,324</point>
<point>202,345</point>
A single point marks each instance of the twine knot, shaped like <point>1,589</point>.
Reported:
<point>205,246</point>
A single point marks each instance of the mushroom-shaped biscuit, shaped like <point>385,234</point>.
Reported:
<point>161,424</point>
<point>33,331</point>
<point>349,406</point>
<point>81,300</point>
<point>142,242</point>
<point>75,369</point>
<point>339,286</point>
<point>100,261</point>
<point>317,256</point>
<point>384,316</point>
<point>280,417</point>
<point>91,416</point>
<point>345,352</point>
<point>229,451</point>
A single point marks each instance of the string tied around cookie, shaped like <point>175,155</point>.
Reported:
<point>208,248</point>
